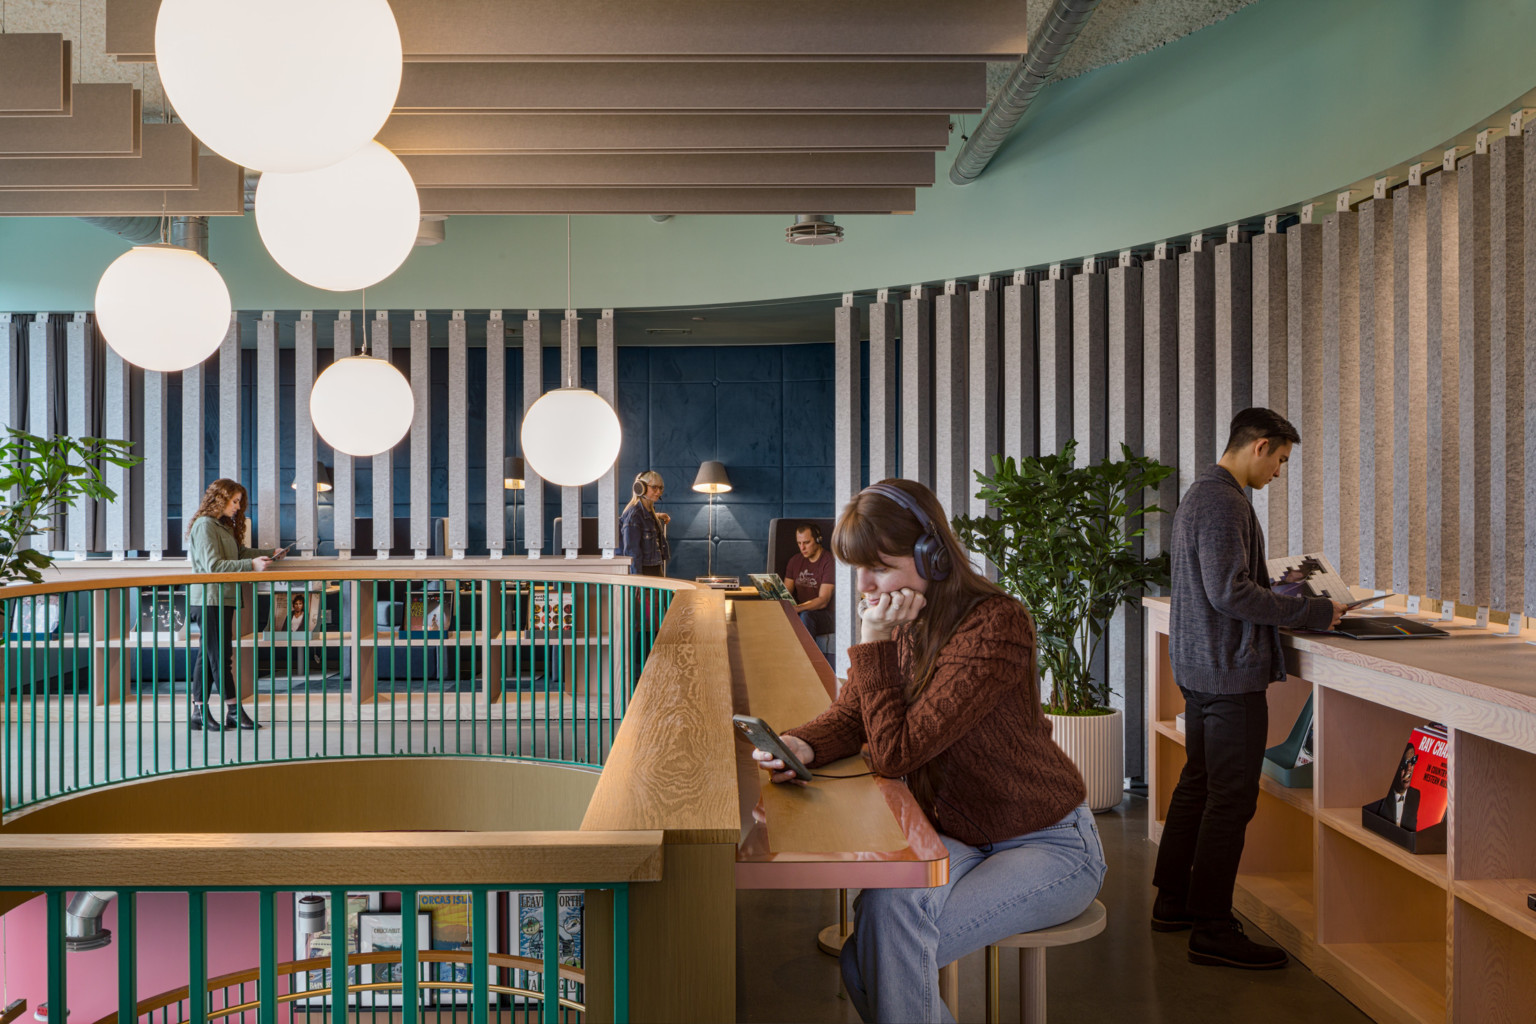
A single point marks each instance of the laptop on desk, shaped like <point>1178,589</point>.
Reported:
<point>1384,627</point>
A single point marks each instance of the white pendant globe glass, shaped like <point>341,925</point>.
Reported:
<point>343,227</point>
<point>361,405</point>
<point>571,436</point>
<point>162,307</point>
<point>284,85</point>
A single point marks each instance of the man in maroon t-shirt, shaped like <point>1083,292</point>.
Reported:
<point>810,577</point>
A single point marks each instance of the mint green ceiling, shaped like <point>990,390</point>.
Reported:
<point>1283,101</point>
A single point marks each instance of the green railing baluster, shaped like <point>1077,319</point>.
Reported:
<point>197,956</point>
<point>127,955</point>
<point>58,982</point>
<point>267,981</point>
<point>480,968</point>
<point>621,954</point>
<point>338,927</point>
<point>551,985</point>
<point>410,973</point>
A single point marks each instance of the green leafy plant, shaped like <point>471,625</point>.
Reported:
<point>1061,543</point>
<point>42,476</point>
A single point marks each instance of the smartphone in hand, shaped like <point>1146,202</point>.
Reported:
<point>761,736</point>
<point>281,552</point>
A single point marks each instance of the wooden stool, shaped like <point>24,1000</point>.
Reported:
<point>1032,947</point>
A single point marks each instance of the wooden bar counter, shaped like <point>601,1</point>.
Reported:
<point>1405,937</point>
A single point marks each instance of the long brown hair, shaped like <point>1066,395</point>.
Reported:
<point>215,498</point>
<point>873,526</point>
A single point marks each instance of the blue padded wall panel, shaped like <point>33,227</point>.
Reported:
<point>750,363</point>
<point>745,415</point>
<point>808,411</point>
<point>679,364</point>
<point>682,427</point>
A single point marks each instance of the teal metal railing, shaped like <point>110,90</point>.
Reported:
<point>351,985</point>
<point>100,681</point>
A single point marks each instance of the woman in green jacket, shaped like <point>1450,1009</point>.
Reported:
<point>216,542</point>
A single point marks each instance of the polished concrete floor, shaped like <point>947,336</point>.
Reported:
<point>1129,974</point>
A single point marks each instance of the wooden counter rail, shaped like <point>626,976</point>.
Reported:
<point>321,860</point>
<point>1406,937</point>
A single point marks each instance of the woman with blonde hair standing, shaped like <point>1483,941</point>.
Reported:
<point>641,533</point>
<point>216,544</point>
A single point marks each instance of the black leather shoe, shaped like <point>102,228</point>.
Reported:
<point>236,718</point>
<point>1169,915</point>
<point>201,719</point>
<point>1223,944</point>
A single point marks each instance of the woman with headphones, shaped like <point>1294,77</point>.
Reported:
<point>641,533</point>
<point>942,687</point>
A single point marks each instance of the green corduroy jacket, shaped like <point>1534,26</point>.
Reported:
<point>213,548</point>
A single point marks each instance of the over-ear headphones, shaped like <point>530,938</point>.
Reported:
<point>639,486</point>
<point>812,529</point>
<point>929,555</point>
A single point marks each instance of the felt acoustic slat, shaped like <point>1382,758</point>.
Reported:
<point>168,161</point>
<point>35,75</point>
<point>453,201</point>
<point>220,192</point>
<point>669,170</point>
<point>104,121</point>
<point>491,134</point>
<point>791,30</point>
<point>694,86</point>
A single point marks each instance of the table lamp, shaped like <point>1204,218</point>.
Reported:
<point>513,478</point>
<point>712,480</point>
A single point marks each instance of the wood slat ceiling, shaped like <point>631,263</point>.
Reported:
<point>34,75</point>
<point>641,106</point>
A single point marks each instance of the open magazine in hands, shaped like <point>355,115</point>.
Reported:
<point>1313,576</point>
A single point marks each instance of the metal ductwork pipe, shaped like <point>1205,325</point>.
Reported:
<point>1057,34</point>
<point>82,921</point>
<point>187,232</point>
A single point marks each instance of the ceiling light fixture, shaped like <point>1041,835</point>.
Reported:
<point>293,86</point>
<point>813,229</point>
<point>362,405</point>
<point>162,307</point>
<point>343,227</point>
<point>571,436</point>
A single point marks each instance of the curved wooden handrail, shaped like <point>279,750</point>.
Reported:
<point>393,569</point>
<point>170,997</point>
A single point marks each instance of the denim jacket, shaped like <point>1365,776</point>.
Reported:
<point>640,538</point>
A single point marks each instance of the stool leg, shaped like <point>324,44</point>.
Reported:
<point>992,985</point>
<point>1032,986</point>
<point>949,987</point>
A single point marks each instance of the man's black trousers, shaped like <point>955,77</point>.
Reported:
<point>1217,794</point>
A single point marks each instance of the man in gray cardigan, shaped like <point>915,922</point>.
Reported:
<point>1224,645</point>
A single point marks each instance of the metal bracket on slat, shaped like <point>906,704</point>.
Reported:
<point>381,314</point>
<point>883,295</point>
<point>1127,258</point>
<point>1416,174</point>
<point>1308,211</point>
<point>345,314</point>
<point>1482,617</point>
<point>1342,201</point>
<point>847,298</point>
<point>955,288</point>
<point>268,315</point>
<point>458,314</point>
<point>1448,159</point>
<point>1447,611</point>
<point>1160,251</point>
<point>1412,605</point>
<point>1090,265</point>
<point>984,283</point>
<point>1055,272</point>
<point>1517,121</point>
<point>1484,137</point>
<point>918,291</point>
<point>1021,277</point>
<point>1379,188</point>
<point>419,315</point>
<point>1236,235</point>
<point>1197,243</point>
<point>1513,627</point>
<point>307,315</point>
<point>1272,224</point>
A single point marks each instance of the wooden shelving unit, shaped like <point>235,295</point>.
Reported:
<point>1429,937</point>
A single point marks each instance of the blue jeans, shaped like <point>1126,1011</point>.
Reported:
<point>901,937</point>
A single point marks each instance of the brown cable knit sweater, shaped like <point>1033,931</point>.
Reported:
<point>991,766</point>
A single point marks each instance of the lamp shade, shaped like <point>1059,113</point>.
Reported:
<point>513,476</point>
<point>571,436</point>
<point>162,307</point>
<point>309,914</point>
<point>362,405</point>
<point>342,227</point>
<point>712,478</point>
<point>292,86</point>
<point>322,479</point>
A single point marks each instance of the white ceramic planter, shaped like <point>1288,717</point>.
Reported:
<point>1096,744</point>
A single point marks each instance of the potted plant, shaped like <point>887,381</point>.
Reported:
<point>1062,538</point>
<point>39,478</point>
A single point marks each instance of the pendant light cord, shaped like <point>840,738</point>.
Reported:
<point>365,323</point>
<point>570,374</point>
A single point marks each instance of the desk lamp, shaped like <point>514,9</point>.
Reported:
<point>712,480</point>
<point>514,479</point>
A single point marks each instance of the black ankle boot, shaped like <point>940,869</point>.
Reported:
<point>236,718</point>
<point>202,719</point>
<point>1169,915</point>
<point>1223,944</point>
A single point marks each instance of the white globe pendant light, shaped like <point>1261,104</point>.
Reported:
<point>283,85</point>
<point>162,307</point>
<point>343,227</point>
<point>362,405</point>
<point>571,436</point>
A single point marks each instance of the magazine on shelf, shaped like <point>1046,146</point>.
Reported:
<point>378,932</point>
<point>552,610</point>
<point>295,615</point>
<point>530,936</point>
<point>164,616</point>
<point>452,916</point>
<point>1419,794</point>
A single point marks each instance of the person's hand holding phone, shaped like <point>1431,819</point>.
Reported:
<point>281,552</point>
<point>778,771</point>
<point>261,563</point>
